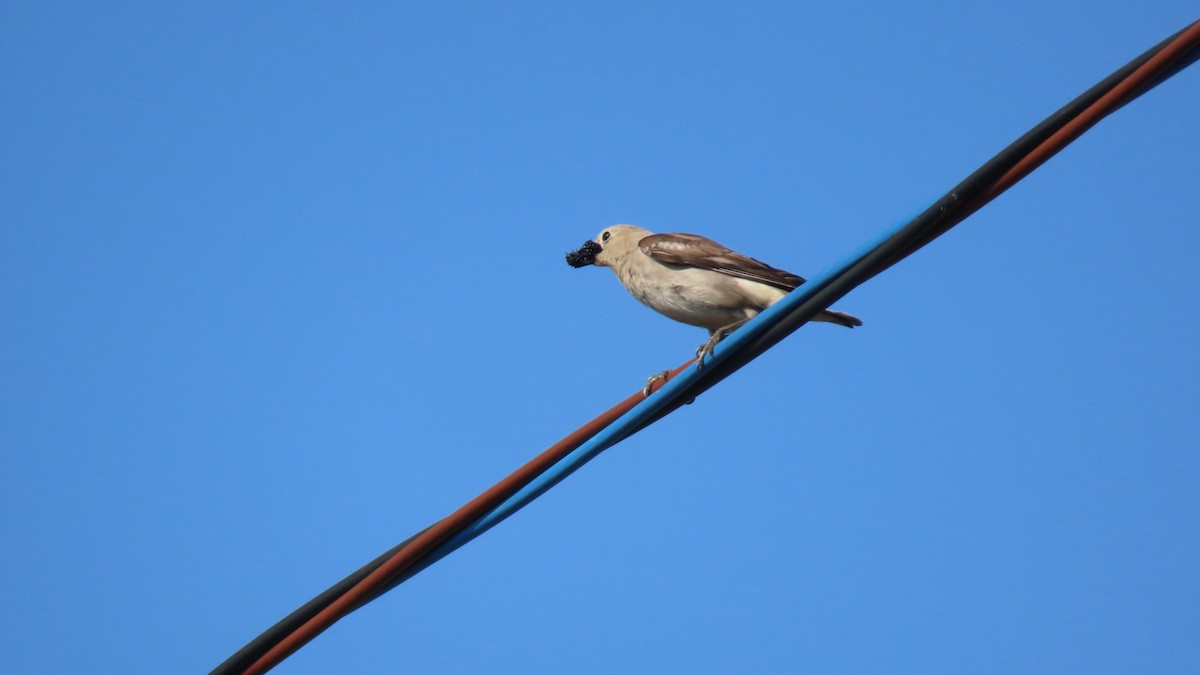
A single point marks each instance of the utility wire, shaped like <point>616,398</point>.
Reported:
<point>766,330</point>
<point>418,545</point>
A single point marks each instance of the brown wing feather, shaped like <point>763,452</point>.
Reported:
<point>696,251</point>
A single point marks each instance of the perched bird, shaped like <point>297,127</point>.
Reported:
<point>693,279</point>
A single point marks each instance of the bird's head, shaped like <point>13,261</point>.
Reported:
<point>608,247</point>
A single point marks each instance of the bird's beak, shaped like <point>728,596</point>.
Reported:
<point>585,255</point>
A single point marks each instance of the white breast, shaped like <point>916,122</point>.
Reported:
<point>691,295</point>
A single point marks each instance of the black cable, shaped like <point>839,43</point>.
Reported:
<point>933,222</point>
<point>936,220</point>
<point>244,657</point>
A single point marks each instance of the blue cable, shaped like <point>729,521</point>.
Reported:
<point>778,321</point>
<point>646,411</point>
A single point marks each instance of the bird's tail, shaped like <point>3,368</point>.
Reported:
<point>840,318</point>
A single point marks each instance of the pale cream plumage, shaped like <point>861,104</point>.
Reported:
<point>693,279</point>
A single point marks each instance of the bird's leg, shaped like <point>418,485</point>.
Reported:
<point>714,337</point>
<point>646,390</point>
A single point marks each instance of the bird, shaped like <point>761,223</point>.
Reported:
<point>693,279</point>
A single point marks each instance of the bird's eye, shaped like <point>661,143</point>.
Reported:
<point>605,236</point>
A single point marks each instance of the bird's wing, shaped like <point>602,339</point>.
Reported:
<point>696,251</point>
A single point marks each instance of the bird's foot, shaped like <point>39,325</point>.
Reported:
<point>708,348</point>
<point>649,388</point>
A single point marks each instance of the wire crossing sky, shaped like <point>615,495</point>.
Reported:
<point>553,465</point>
<point>282,288</point>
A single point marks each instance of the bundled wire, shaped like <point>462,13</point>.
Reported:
<point>685,384</point>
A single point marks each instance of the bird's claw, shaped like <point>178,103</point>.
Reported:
<point>649,388</point>
<point>708,348</point>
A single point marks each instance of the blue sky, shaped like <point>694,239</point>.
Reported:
<point>282,284</point>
